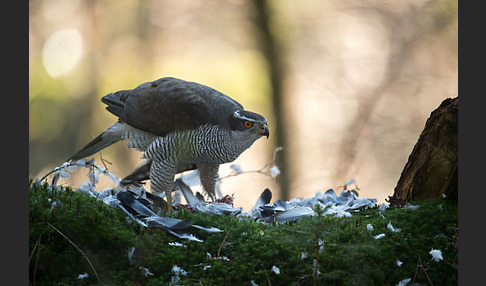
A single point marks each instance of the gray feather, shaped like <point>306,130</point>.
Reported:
<point>96,145</point>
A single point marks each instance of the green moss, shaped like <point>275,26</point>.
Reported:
<point>101,232</point>
<point>350,254</point>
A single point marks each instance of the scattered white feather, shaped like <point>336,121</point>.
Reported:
<point>191,178</point>
<point>349,182</point>
<point>53,205</point>
<point>338,211</point>
<point>369,227</point>
<point>94,176</point>
<point>55,178</point>
<point>64,174</point>
<point>412,207</point>
<point>37,182</point>
<point>390,227</point>
<point>82,276</point>
<point>130,216</point>
<point>321,244</point>
<point>146,271</point>
<point>274,171</point>
<point>131,256</point>
<point>188,236</point>
<point>224,258</point>
<point>383,207</point>
<point>275,269</point>
<point>436,254</point>
<point>236,168</point>
<point>112,177</point>
<point>64,165</point>
<point>178,271</point>
<point>51,188</point>
<point>111,201</point>
<point>404,282</point>
<point>80,163</point>
<point>174,280</point>
<point>379,236</point>
<point>340,206</point>
<point>72,167</point>
<point>208,229</point>
<point>303,255</point>
<point>177,244</point>
<point>218,208</point>
<point>314,267</point>
<point>86,187</point>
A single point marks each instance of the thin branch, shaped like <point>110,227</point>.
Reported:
<point>60,168</point>
<point>80,251</point>
<point>267,164</point>
<point>245,172</point>
<point>266,273</point>
<point>426,275</point>
<point>421,266</point>
<point>260,171</point>
<point>316,267</point>
<point>219,250</point>
<point>35,247</point>
<point>104,160</point>
<point>46,175</point>
<point>319,212</point>
<point>37,244</point>
<point>89,164</point>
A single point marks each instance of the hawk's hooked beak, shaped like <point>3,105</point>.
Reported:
<point>264,131</point>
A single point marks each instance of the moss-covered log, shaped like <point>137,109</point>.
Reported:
<point>431,170</point>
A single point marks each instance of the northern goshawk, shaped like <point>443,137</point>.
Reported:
<point>179,126</point>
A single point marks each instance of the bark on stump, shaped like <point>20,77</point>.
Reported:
<point>431,170</point>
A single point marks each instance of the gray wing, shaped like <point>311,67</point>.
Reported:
<point>170,104</point>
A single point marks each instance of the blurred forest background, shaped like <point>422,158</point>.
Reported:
<point>346,86</point>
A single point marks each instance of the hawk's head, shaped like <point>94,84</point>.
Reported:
<point>249,124</point>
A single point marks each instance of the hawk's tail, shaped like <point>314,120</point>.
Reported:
<point>105,139</point>
<point>140,174</point>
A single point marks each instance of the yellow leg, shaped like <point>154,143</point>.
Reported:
<point>168,196</point>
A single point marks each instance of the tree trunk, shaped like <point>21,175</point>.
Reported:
<point>431,170</point>
<point>270,49</point>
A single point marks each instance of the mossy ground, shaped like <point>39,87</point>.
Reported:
<point>346,251</point>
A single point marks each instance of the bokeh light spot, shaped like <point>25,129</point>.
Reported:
<point>62,51</point>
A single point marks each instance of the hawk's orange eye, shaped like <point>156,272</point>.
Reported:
<point>248,124</point>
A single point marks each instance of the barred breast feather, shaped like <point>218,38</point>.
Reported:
<point>207,143</point>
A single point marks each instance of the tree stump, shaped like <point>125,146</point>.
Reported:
<point>431,170</point>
